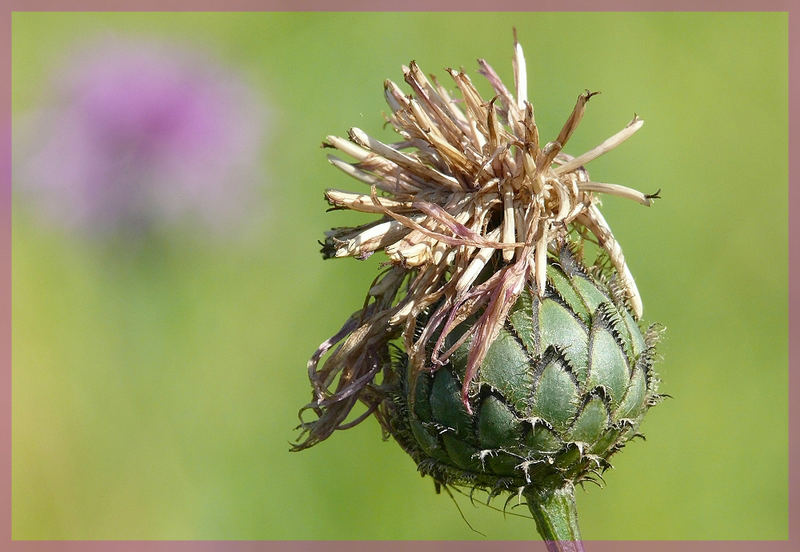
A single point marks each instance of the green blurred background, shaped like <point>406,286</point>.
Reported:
<point>154,395</point>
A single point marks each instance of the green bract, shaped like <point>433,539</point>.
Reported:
<point>564,386</point>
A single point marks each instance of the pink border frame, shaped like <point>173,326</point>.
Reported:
<point>385,5</point>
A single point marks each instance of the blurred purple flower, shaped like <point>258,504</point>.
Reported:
<point>143,135</point>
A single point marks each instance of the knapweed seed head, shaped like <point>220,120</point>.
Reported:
<point>486,347</point>
<point>563,386</point>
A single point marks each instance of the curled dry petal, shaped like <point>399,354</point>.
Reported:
<point>470,205</point>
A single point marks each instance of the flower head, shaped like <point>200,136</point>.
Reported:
<point>470,201</point>
<point>142,134</point>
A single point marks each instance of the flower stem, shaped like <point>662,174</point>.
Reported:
<point>556,517</point>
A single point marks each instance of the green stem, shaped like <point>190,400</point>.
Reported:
<point>556,517</point>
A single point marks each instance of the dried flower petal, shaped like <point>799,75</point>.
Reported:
<point>472,204</point>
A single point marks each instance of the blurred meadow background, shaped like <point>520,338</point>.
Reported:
<point>168,287</point>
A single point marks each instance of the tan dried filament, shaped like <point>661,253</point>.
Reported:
<point>470,205</point>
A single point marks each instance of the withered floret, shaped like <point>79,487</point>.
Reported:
<point>471,202</point>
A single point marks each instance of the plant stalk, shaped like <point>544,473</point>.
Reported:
<point>556,517</point>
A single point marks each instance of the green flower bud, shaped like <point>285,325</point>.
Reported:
<point>522,370</point>
<point>563,386</point>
